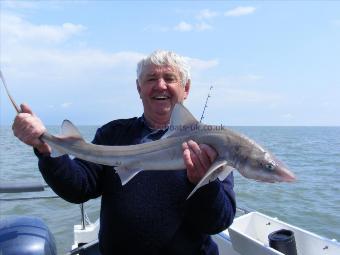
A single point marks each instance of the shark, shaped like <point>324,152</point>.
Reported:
<point>235,151</point>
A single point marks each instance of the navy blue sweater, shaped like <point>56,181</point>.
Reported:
<point>150,214</point>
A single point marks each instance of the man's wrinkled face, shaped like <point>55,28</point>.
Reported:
<point>160,88</point>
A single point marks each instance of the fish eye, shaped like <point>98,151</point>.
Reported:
<point>270,165</point>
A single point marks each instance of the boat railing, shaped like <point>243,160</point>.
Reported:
<point>21,187</point>
<point>24,188</point>
<point>243,210</point>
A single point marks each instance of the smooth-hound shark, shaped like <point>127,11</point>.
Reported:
<point>235,151</point>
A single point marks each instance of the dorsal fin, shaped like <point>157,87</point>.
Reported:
<point>180,117</point>
<point>68,129</point>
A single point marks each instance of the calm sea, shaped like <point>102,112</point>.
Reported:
<point>313,202</point>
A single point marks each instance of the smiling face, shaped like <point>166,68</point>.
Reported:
<point>160,88</point>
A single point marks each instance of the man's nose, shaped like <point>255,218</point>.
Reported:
<point>161,84</point>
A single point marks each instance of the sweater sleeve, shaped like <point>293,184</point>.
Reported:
<point>77,180</point>
<point>74,180</point>
<point>212,208</point>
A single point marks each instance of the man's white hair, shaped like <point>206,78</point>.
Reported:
<point>162,58</point>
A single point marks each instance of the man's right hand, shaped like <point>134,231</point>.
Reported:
<point>29,128</point>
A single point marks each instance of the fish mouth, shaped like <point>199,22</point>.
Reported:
<point>280,176</point>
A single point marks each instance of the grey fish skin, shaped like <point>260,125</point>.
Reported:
<point>235,151</point>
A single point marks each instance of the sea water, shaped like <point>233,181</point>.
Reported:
<point>312,202</point>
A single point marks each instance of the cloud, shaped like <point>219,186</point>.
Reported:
<point>17,29</point>
<point>241,80</point>
<point>58,64</point>
<point>66,104</point>
<point>254,77</point>
<point>183,27</point>
<point>53,62</point>
<point>287,116</point>
<point>38,50</point>
<point>240,11</point>
<point>206,14</point>
<point>336,22</point>
<point>187,27</point>
<point>199,65</point>
<point>224,97</point>
<point>203,26</point>
<point>53,74</point>
<point>19,5</point>
<point>248,96</point>
<point>233,91</point>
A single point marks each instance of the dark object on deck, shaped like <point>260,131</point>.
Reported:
<point>283,241</point>
<point>24,235</point>
<point>91,248</point>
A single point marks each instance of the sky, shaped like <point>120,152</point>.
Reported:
<point>271,63</point>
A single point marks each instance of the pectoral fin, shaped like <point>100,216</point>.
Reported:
<point>57,153</point>
<point>219,169</point>
<point>126,174</point>
<point>225,171</point>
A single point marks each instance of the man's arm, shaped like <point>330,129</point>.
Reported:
<point>212,208</point>
<point>74,180</point>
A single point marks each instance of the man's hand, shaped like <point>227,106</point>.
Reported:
<point>197,158</point>
<point>28,128</point>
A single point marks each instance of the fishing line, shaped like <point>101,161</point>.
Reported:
<point>206,103</point>
<point>18,110</point>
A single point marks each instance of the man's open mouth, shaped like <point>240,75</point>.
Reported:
<point>161,97</point>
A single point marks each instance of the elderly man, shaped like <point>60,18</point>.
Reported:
<point>150,214</point>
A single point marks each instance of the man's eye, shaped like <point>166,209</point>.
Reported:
<point>170,79</point>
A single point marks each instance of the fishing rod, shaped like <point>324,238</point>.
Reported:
<point>18,110</point>
<point>16,107</point>
<point>20,187</point>
<point>206,103</point>
<point>34,187</point>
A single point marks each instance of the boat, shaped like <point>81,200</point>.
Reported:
<point>248,235</point>
<point>252,233</point>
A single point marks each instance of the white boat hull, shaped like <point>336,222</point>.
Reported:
<point>248,235</point>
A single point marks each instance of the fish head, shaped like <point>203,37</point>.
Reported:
<point>261,165</point>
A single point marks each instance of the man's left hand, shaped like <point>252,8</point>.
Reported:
<point>197,159</point>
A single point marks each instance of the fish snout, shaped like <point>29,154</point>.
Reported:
<point>285,175</point>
